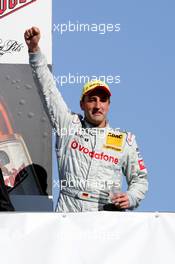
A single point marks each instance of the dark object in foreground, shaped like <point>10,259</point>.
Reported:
<point>112,207</point>
<point>5,203</point>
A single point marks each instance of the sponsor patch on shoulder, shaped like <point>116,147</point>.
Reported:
<point>75,119</point>
<point>130,138</point>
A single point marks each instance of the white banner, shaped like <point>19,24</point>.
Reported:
<point>15,18</point>
<point>25,131</point>
<point>88,238</point>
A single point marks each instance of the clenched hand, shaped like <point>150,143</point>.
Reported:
<point>32,37</point>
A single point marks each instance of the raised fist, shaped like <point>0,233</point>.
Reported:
<point>32,37</point>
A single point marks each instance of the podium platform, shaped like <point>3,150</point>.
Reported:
<point>87,238</point>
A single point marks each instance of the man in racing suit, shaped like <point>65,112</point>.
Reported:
<point>92,157</point>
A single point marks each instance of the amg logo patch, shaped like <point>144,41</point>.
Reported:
<point>9,6</point>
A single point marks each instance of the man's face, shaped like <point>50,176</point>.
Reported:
<point>96,106</point>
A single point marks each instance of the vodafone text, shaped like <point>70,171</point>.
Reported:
<point>93,154</point>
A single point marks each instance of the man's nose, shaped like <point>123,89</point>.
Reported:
<point>98,103</point>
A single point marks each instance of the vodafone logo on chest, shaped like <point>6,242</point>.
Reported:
<point>9,6</point>
<point>94,155</point>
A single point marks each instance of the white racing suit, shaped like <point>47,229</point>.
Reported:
<point>90,160</point>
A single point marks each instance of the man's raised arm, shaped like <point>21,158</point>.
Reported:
<point>51,98</point>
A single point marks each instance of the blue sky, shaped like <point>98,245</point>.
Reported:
<point>142,54</point>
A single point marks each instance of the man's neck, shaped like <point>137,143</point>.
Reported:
<point>102,125</point>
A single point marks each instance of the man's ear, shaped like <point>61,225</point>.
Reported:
<point>82,105</point>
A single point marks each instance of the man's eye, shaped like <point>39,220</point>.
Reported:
<point>91,99</point>
<point>104,99</point>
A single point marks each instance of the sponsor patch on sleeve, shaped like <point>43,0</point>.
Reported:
<point>141,164</point>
